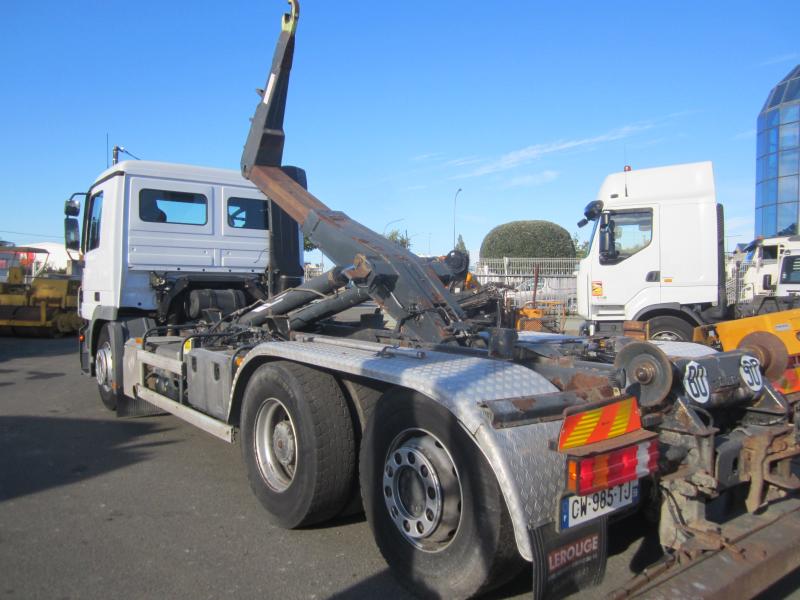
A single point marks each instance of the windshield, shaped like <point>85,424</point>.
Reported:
<point>790,270</point>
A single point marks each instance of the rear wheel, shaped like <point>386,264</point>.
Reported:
<point>104,370</point>
<point>434,506</point>
<point>297,443</point>
<point>670,329</point>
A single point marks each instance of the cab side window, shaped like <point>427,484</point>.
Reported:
<point>248,213</point>
<point>790,273</point>
<point>93,224</point>
<point>164,206</point>
<point>633,232</point>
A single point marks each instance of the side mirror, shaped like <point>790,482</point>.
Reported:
<point>72,233</point>
<point>591,212</point>
<point>766,283</point>
<point>72,207</point>
<point>608,251</point>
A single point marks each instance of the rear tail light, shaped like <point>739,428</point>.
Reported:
<point>589,474</point>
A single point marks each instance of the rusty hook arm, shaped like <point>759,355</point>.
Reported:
<point>264,145</point>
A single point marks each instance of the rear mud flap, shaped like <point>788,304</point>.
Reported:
<point>136,407</point>
<point>569,561</point>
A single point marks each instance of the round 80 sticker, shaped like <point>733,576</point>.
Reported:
<point>695,382</point>
<point>750,371</point>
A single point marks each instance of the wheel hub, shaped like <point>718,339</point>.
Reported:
<point>666,336</point>
<point>103,366</point>
<point>283,443</point>
<point>422,491</point>
<point>276,444</point>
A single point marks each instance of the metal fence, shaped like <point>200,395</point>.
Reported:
<point>553,278</point>
<point>737,288</point>
<point>514,271</point>
<point>311,270</point>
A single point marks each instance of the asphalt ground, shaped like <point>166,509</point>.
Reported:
<point>92,506</point>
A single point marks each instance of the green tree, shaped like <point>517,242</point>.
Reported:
<point>528,239</point>
<point>581,248</point>
<point>460,245</point>
<point>307,245</point>
<point>396,236</point>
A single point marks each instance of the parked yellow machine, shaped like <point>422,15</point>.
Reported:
<point>773,337</point>
<point>33,301</point>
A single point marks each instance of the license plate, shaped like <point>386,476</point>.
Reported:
<point>580,509</point>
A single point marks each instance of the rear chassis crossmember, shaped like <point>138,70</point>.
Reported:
<point>759,550</point>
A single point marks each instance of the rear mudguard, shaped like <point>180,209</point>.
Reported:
<point>530,475</point>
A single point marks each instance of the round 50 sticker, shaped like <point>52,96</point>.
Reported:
<point>695,382</point>
<point>750,372</point>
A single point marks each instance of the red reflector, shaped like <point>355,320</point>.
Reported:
<point>586,474</point>
<point>602,471</point>
<point>82,338</point>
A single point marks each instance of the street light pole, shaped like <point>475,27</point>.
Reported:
<point>458,191</point>
<point>390,222</point>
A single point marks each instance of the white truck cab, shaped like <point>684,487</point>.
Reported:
<point>788,281</point>
<point>766,259</point>
<point>161,242</point>
<point>655,253</point>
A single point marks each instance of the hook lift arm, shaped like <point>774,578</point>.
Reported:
<point>409,289</point>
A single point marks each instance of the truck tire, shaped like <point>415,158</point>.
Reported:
<point>297,443</point>
<point>434,506</point>
<point>670,329</point>
<point>104,370</point>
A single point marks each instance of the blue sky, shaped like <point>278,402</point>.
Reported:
<point>393,106</point>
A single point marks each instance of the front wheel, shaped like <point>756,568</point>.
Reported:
<point>433,503</point>
<point>109,389</point>
<point>670,329</point>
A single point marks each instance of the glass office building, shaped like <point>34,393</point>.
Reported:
<point>778,159</point>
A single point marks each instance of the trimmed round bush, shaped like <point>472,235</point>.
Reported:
<point>528,239</point>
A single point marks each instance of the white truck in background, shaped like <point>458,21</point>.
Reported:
<point>656,255</point>
<point>161,243</point>
<point>656,252</point>
<point>760,272</point>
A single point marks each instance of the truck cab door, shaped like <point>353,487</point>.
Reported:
<point>97,274</point>
<point>626,274</point>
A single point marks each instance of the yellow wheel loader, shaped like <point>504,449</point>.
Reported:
<point>33,300</point>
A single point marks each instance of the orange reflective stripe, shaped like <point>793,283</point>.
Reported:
<point>584,427</point>
<point>600,424</point>
<point>621,420</point>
